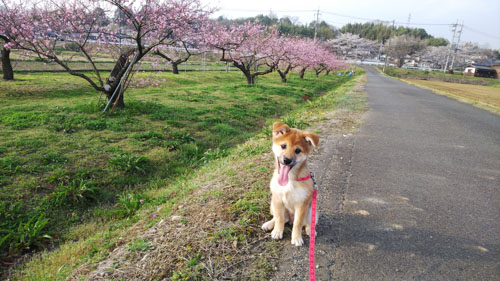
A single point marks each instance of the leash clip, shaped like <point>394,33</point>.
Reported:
<point>314,180</point>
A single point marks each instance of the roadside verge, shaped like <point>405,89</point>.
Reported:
<point>485,97</point>
<point>212,231</point>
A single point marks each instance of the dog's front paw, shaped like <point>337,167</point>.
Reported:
<point>268,225</point>
<point>297,241</point>
<point>277,234</point>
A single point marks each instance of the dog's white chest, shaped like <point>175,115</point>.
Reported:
<point>289,195</point>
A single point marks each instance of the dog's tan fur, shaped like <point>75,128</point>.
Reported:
<point>291,202</point>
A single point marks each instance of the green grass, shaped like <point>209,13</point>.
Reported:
<point>63,163</point>
<point>438,75</point>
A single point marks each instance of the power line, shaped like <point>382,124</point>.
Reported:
<point>335,14</point>
<point>481,32</point>
<point>263,11</point>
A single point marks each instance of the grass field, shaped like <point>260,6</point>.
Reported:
<point>481,96</point>
<point>67,171</point>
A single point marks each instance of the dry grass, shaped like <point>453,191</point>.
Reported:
<point>481,96</point>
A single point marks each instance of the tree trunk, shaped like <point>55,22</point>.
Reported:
<point>327,72</point>
<point>119,104</point>
<point>175,68</point>
<point>250,78</point>
<point>282,75</point>
<point>401,62</point>
<point>248,74</point>
<point>114,79</point>
<point>302,71</point>
<point>8,73</point>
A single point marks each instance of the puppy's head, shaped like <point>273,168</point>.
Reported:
<point>291,147</point>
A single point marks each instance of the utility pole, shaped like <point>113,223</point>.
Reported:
<point>409,18</point>
<point>456,46</point>
<point>385,64</point>
<point>316,26</point>
<point>454,29</point>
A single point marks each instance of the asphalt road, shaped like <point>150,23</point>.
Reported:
<point>414,195</point>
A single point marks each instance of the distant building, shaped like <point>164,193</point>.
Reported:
<point>481,71</point>
<point>496,66</point>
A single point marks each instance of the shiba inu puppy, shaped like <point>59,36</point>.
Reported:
<point>291,185</point>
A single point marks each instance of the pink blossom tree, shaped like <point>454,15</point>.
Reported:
<point>175,55</point>
<point>5,35</point>
<point>249,47</point>
<point>45,30</point>
<point>307,58</point>
<point>289,51</point>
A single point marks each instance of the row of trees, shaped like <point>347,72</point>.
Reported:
<point>288,26</point>
<point>383,32</point>
<point>146,29</point>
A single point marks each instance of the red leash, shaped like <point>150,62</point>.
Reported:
<point>312,273</point>
<point>312,237</point>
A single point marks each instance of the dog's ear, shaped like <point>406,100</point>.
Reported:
<point>280,129</point>
<point>311,139</point>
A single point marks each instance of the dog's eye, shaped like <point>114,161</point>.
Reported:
<point>283,146</point>
<point>297,151</point>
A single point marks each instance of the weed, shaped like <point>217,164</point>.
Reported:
<point>96,125</point>
<point>148,135</point>
<point>10,165</point>
<point>128,204</point>
<point>294,122</point>
<point>27,234</point>
<point>183,137</point>
<point>225,130</point>
<point>53,158</point>
<point>129,163</point>
<point>76,192</point>
<point>213,154</point>
<point>140,245</point>
<point>24,120</point>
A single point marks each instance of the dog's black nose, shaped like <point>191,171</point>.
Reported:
<point>287,161</point>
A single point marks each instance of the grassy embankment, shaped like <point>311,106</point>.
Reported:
<point>481,92</point>
<point>78,178</point>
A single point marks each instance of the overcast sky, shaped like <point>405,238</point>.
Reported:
<point>481,18</point>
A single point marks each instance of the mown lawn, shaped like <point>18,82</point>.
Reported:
<point>64,163</point>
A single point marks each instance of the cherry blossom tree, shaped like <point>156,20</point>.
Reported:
<point>175,55</point>
<point>48,29</point>
<point>180,52</point>
<point>306,58</point>
<point>249,47</point>
<point>5,34</point>
<point>401,46</point>
<point>348,45</point>
<point>290,52</point>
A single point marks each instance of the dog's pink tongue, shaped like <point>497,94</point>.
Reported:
<point>283,175</point>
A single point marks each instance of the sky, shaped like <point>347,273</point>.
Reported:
<point>481,18</point>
